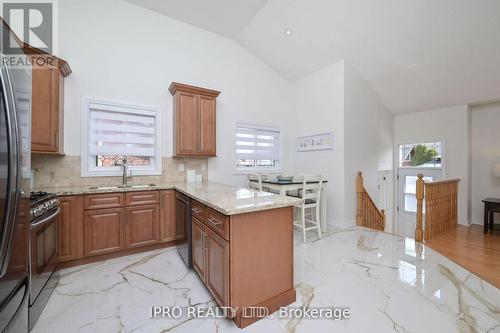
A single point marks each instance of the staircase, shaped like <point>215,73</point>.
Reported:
<point>368,215</point>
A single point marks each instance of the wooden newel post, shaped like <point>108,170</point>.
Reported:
<point>419,232</point>
<point>359,191</point>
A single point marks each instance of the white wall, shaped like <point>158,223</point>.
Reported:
<point>337,99</point>
<point>124,52</point>
<point>449,125</point>
<point>368,138</point>
<point>319,108</point>
<point>485,151</point>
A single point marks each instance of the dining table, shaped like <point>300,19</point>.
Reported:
<point>288,187</point>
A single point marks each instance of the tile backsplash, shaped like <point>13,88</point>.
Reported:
<point>60,171</point>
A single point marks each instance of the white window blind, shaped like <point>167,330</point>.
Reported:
<point>257,142</point>
<point>114,132</point>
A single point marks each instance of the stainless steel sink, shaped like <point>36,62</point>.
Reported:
<point>122,187</point>
<point>140,186</point>
<point>104,187</point>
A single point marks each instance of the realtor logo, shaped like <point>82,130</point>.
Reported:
<point>32,22</point>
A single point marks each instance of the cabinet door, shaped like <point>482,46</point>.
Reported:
<point>181,210</point>
<point>186,124</point>
<point>168,230</point>
<point>45,111</point>
<point>198,247</point>
<point>141,225</point>
<point>206,133</point>
<point>217,267</point>
<point>70,228</point>
<point>103,231</point>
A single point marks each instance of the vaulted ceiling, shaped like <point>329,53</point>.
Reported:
<point>416,55</point>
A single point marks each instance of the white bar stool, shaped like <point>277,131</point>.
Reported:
<point>310,196</point>
<point>254,181</point>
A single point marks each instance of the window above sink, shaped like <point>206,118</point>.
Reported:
<point>112,131</point>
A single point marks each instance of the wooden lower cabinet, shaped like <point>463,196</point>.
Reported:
<point>103,231</point>
<point>70,228</point>
<point>142,225</point>
<point>168,229</point>
<point>211,260</point>
<point>217,266</point>
<point>198,247</point>
<point>97,224</point>
<point>242,262</point>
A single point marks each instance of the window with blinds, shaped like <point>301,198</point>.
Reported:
<point>117,132</point>
<point>257,146</point>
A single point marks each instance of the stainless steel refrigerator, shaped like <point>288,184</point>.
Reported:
<point>15,128</point>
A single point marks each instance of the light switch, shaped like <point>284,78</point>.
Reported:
<point>181,167</point>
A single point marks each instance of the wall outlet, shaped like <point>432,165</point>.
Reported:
<point>203,166</point>
<point>181,167</point>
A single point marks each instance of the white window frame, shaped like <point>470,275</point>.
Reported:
<point>443,156</point>
<point>88,168</point>
<point>244,171</point>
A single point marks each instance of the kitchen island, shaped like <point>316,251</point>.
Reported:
<point>242,240</point>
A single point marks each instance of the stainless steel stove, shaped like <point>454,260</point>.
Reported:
<point>43,251</point>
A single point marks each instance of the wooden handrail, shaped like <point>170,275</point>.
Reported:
<point>441,207</point>
<point>368,215</point>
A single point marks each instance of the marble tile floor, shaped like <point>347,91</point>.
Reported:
<point>389,284</point>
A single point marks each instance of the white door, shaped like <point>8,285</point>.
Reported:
<point>407,203</point>
<point>386,198</point>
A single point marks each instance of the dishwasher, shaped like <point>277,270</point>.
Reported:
<point>183,222</point>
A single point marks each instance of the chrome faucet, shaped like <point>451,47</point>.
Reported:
<point>124,165</point>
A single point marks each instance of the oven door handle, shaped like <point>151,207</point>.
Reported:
<point>45,220</point>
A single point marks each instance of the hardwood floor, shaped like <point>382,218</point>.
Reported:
<point>472,249</point>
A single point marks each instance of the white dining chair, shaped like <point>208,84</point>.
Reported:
<point>310,196</point>
<point>254,181</point>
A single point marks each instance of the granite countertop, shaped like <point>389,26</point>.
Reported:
<point>228,200</point>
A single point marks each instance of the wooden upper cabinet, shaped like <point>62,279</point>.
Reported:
<point>47,110</point>
<point>206,123</point>
<point>194,120</point>
<point>186,136</point>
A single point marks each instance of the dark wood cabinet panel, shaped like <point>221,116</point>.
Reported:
<point>186,139</point>
<point>102,201</point>
<point>103,231</point>
<point>46,111</point>
<point>198,247</point>
<point>168,223</point>
<point>198,210</point>
<point>70,228</point>
<point>142,198</point>
<point>217,267</point>
<point>207,121</point>
<point>218,222</point>
<point>47,100</point>
<point>141,225</point>
<point>194,116</point>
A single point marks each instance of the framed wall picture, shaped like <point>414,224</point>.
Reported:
<point>315,142</point>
